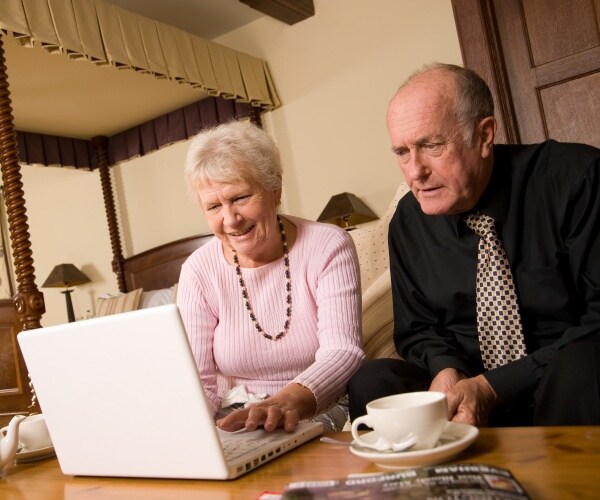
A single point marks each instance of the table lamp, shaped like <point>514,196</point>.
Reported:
<point>346,210</point>
<point>66,275</point>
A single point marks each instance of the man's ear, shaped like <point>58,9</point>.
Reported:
<point>487,132</point>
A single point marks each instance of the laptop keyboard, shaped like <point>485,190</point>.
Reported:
<point>235,448</point>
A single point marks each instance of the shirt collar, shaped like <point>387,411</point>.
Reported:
<point>496,197</point>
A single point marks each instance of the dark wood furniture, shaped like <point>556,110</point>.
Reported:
<point>288,11</point>
<point>159,267</point>
<point>549,462</point>
<point>15,396</point>
<point>542,62</point>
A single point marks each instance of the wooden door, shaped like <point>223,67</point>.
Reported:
<point>542,61</point>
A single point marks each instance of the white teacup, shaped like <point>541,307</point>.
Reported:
<point>418,415</point>
<point>33,433</point>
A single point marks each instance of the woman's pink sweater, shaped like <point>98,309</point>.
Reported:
<point>323,346</point>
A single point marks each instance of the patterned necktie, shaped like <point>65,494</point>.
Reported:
<point>498,320</point>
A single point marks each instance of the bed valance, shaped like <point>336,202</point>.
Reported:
<point>105,34</point>
<point>177,125</point>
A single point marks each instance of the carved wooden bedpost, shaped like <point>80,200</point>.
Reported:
<point>28,300</point>
<point>101,146</point>
<point>255,117</point>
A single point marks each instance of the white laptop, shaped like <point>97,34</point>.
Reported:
<point>122,397</point>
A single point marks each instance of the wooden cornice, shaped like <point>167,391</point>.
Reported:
<point>288,11</point>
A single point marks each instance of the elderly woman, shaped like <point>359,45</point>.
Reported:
<point>272,304</point>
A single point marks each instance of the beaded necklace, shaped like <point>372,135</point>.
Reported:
<point>288,288</point>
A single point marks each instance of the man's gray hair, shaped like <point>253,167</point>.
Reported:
<point>236,151</point>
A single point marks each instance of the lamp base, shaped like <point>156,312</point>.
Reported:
<point>70,312</point>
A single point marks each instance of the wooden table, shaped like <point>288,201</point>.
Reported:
<point>550,462</point>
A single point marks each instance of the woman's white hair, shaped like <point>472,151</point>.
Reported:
<point>232,152</point>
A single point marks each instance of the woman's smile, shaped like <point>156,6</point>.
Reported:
<point>243,232</point>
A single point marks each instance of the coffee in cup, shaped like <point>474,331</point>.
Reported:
<point>417,415</point>
<point>32,433</point>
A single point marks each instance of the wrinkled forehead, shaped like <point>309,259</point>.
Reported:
<point>416,114</point>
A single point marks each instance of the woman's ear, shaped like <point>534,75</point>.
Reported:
<point>278,197</point>
<point>487,132</point>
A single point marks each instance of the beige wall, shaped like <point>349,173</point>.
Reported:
<point>335,74</point>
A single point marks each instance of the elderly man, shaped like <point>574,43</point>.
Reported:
<point>495,264</point>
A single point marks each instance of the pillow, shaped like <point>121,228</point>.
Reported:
<point>119,303</point>
<point>371,241</point>
<point>378,319</point>
<point>153,298</point>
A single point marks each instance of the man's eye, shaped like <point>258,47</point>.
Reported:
<point>434,147</point>
<point>240,198</point>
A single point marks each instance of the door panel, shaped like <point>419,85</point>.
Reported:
<point>571,111</point>
<point>542,61</point>
<point>552,49</point>
<point>559,29</point>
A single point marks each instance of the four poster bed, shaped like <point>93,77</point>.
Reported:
<point>158,268</point>
<point>234,85</point>
<point>237,86</point>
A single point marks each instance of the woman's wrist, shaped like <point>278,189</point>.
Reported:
<point>303,398</point>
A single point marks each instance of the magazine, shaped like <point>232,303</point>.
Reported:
<point>464,481</point>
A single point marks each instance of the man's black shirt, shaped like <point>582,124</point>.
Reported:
<point>545,199</point>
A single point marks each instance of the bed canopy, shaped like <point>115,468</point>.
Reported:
<point>232,85</point>
<point>225,84</point>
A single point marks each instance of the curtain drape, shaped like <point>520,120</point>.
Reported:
<point>178,125</point>
<point>106,34</point>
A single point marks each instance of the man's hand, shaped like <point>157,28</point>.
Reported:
<point>284,409</point>
<point>470,400</point>
<point>445,380</point>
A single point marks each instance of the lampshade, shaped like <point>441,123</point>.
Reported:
<point>346,210</point>
<point>65,275</point>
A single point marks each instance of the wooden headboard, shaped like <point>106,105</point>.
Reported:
<point>159,267</point>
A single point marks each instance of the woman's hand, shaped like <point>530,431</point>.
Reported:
<point>284,409</point>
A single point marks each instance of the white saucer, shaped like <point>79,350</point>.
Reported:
<point>454,439</point>
<point>24,455</point>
